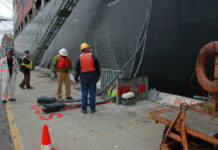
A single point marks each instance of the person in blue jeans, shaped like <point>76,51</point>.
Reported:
<point>88,69</point>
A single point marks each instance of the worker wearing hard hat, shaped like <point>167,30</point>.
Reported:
<point>61,65</point>
<point>88,68</point>
<point>26,67</point>
<point>8,74</point>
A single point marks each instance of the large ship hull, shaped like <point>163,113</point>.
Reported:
<point>168,35</point>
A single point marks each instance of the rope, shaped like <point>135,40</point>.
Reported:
<point>211,85</point>
<point>197,87</point>
<point>191,79</point>
<point>208,107</point>
<point>211,120</point>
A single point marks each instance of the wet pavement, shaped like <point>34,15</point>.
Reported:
<point>112,127</point>
<point>5,139</point>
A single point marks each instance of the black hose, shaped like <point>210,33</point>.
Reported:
<point>48,100</point>
<point>144,31</point>
<point>70,101</point>
<point>101,102</point>
<point>58,106</point>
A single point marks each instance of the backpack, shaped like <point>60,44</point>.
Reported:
<point>23,69</point>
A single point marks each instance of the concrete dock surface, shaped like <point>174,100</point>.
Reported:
<point>112,127</point>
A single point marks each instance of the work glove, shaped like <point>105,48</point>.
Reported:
<point>53,75</point>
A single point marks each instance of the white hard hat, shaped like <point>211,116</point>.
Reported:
<point>63,52</point>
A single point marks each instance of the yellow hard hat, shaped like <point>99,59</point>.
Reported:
<point>84,46</point>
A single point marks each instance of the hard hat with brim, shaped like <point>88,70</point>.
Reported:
<point>84,46</point>
<point>10,49</point>
<point>63,52</point>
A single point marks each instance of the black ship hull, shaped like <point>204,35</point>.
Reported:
<point>168,35</point>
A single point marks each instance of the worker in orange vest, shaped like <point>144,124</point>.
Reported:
<point>88,68</point>
<point>61,65</point>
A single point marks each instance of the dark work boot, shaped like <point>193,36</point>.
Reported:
<point>12,99</point>
<point>69,98</point>
<point>30,87</point>
<point>22,87</point>
<point>84,111</point>
<point>93,111</point>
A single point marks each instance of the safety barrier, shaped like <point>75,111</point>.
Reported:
<point>106,76</point>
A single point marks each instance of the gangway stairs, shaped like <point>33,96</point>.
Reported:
<point>47,33</point>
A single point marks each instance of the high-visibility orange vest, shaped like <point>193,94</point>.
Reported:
<point>87,62</point>
<point>63,63</point>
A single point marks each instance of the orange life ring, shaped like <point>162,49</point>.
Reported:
<point>207,50</point>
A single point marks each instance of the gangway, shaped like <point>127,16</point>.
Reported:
<point>44,39</point>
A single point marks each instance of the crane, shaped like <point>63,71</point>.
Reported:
<point>5,19</point>
<point>6,25</point>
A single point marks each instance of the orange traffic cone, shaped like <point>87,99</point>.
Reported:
<point>46,141</point>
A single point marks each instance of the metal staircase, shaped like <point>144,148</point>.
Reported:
<point>47,33</point>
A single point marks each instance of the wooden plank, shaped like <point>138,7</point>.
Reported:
<point>194,120</point>
<point>174,136</point>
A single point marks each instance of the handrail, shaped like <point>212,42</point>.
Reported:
<point>49,30</point>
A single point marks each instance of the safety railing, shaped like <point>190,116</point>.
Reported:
<point>106,76</point>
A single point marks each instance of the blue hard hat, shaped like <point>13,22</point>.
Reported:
<point>26,51</point>
<point>10,49</point>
